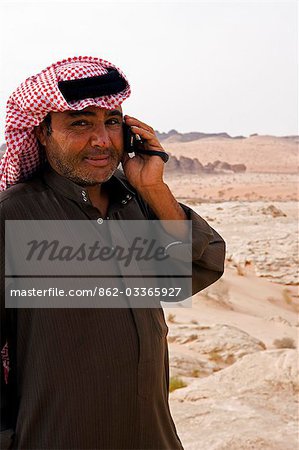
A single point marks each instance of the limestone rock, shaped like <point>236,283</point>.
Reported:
<point>185,165</point>
<point>245,228</point>
<point>198,351</point>
<point>273,211</point>
<point>249,405</point>
<point>173,164</point>
<point>238,168</point>
<point>189,165</point>
<point>279,319</point>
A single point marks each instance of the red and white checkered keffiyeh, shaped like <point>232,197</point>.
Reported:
<point>34,99</point>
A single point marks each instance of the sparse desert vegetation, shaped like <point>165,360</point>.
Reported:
<point>171,318</point>
<point>176,383</point>
<point>284,342</point>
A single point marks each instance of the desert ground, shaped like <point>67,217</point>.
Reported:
<point>233,354</point>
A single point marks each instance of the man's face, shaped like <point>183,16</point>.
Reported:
<point>85,146</point>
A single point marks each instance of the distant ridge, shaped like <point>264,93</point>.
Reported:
<point>175,136</point>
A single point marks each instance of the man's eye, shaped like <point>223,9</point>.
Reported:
<point>113,121</point>
<point>79,123</point>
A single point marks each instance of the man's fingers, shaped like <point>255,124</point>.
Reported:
<point>132,121</point>
<point>145,134</point>
<point>150,138</point>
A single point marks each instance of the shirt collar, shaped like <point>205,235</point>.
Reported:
<point>119,187</point>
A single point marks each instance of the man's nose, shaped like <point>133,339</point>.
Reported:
<point>100,137</point>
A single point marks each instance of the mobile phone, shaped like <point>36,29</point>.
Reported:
<point>131,143</point>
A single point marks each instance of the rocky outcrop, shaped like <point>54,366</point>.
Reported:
<point>188,165</point>
<point>238,167</point>
<point>260,234</point>
<point>250,405</point>
<point>224,167</point>
<point>273,211</point>
<point>198,351</point>
<point>193,165</point>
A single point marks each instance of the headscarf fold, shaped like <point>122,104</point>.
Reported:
<point>34,99</point>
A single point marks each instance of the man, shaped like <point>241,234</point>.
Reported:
<point>88,378</point>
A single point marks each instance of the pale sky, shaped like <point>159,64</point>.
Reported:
<point>193,66</point>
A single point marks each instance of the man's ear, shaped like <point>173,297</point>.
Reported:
<point>41,133</point>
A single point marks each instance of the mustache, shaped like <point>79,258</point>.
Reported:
<point>92,153</point>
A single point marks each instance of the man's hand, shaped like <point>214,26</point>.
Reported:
<point>143,171</point>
